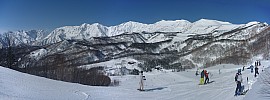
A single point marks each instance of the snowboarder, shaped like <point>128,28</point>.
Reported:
<point>202,77</point>
<point>238,80</point>
<point>206,77</point>
<point>243,68</point>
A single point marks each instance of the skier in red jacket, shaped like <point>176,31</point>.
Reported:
<point>206,77</point>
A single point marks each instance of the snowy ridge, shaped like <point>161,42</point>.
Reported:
<point>86,31</point>
<point>22,37</point>
<point>199,45</point>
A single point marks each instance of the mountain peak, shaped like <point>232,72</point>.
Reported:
<point>173,21</point>
<point>130,23</point>
<point>95,24</point>
<point>84,24</point>
<point>206,22</point>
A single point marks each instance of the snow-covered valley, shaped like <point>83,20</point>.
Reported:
<point>159,85</point>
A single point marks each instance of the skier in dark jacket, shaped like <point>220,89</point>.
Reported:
<point>202,77</point>
<point>256,71</point>
<point>197,72</point>
<point>251,68</point>
<point>257,63</point>
<point>238,80</point>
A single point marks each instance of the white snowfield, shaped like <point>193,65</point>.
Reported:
<point>159,85</point>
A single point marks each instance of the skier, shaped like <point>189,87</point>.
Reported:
<point>257,63</point>
<point>197,72</point>
<point>202,77</point>
<point>256,71</point>
<point>206,77</point>
<point>247,83</point>
<point>251,68</point>
<point>238,80</point>
<point>141,82</point>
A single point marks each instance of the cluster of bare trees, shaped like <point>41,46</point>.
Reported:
<point>166,61</point>
<point>58,68</point>
<point>7,51</point>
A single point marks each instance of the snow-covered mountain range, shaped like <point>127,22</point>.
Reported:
<point>21,37</point>
<point>196,44</point>
<point>187,40</point>
<point>86,31</point>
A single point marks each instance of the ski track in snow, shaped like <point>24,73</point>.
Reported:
<point>87,96</point>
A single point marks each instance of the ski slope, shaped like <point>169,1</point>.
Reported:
<point>159,85</point>
<point>261,89</point>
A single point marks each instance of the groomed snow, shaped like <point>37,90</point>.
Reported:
<point>159,85</point>
<point>260,90</point>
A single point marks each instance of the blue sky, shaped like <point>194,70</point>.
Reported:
<point>50,14</point>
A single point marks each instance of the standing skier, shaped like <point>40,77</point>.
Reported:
<point>251,68</point>
<point>206,77</point>
<point>238,80</point>
<point>197,72</point>
<point>141,82</point>
<point>256,71</point>
<point>255,63</point>
<point>202,77</point>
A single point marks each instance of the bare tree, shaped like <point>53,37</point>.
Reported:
<point>9,52</point>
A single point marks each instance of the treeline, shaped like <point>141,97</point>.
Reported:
<point>59,67</point>
<point>166,61</point>
<point>94,76</point>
